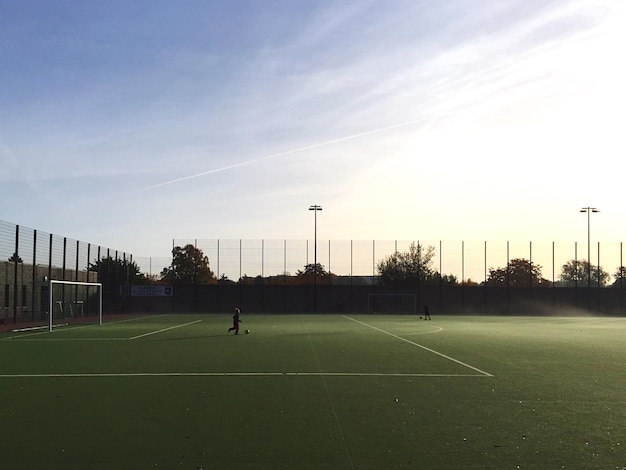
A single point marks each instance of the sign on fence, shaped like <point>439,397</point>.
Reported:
<point>151,291</point>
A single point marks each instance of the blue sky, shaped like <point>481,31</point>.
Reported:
<point>129,124</point>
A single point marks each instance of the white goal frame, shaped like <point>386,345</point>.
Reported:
<point>412,301</point>
<point>52,282</point>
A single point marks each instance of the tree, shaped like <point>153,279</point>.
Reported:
<point>450,279</point>
<point>582,273</point>
<point>251,281</point>
<point>408,267</point>
<point>519,272</point>
<point>224,280</point>
<point>620,277</point>
<point>116,271</point>
<point>150,278</point>
<point>311,270</point>
<point>189,266</point>
<point>312,273</point>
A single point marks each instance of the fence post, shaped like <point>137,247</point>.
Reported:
<point>33,277</point>
<point>485,275</point>
<point>463,276</point>
<point>15,260</point>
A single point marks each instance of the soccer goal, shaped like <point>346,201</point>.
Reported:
<point>72,302</point>
<point>391,303</point>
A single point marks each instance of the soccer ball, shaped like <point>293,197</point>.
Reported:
<point>420,317</point>
<point>247,332</point>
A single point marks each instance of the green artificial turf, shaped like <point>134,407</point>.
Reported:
<point>317,391</point>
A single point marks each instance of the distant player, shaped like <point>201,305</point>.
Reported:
<point>236,321</point>
<point>426,312</point>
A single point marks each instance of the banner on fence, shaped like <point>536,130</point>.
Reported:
<point>151,291</point>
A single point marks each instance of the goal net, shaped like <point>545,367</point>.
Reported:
<point>391,303</point>
<point>74,303</point>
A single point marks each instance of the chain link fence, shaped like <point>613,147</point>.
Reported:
<point>468,261</point>
<point>266,276</point>
<point>259,275</point>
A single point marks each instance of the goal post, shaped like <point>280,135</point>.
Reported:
<point>74,302</point>
<point>392,303</point>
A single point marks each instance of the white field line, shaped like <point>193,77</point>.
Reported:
<point>487,374</point>
<point>436,330</point>
<point>59,325</point>
<point>7,338</point>
<point>61,340</point>
<point>164,329</point>
<point>33,328</point>
<point>37,330</point>
<point>333,409</point>
<point>232,374</point>
<point>74,327</point>
<point>126,320</point>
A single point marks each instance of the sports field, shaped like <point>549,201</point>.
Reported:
<point>317,391</point>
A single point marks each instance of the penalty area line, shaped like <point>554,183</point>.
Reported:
<point>482,372</point>
<point>163,330</point>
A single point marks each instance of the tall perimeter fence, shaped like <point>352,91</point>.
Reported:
<point>262,276</point>
<point>265,276</point>
<point>30,258</point>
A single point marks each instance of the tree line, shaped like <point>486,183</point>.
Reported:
<point>415,265</point>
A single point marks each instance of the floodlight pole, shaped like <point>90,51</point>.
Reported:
<point>315,208</point>
<point>589,210</point>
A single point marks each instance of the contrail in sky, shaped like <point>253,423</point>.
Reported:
<point>296,150</point>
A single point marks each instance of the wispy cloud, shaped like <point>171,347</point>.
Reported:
<point>297,150</point>
<point>329,99</point>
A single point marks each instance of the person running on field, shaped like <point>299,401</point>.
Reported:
<point>236,321</point>
<point>426,312</point>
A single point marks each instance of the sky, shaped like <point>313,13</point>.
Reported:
<point>130,124</point>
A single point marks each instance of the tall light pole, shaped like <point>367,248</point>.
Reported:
<point>315,208</point>
<point>589,210</point>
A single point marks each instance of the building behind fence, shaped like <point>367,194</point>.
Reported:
<point>29,258</point>
<point>258,276</point>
